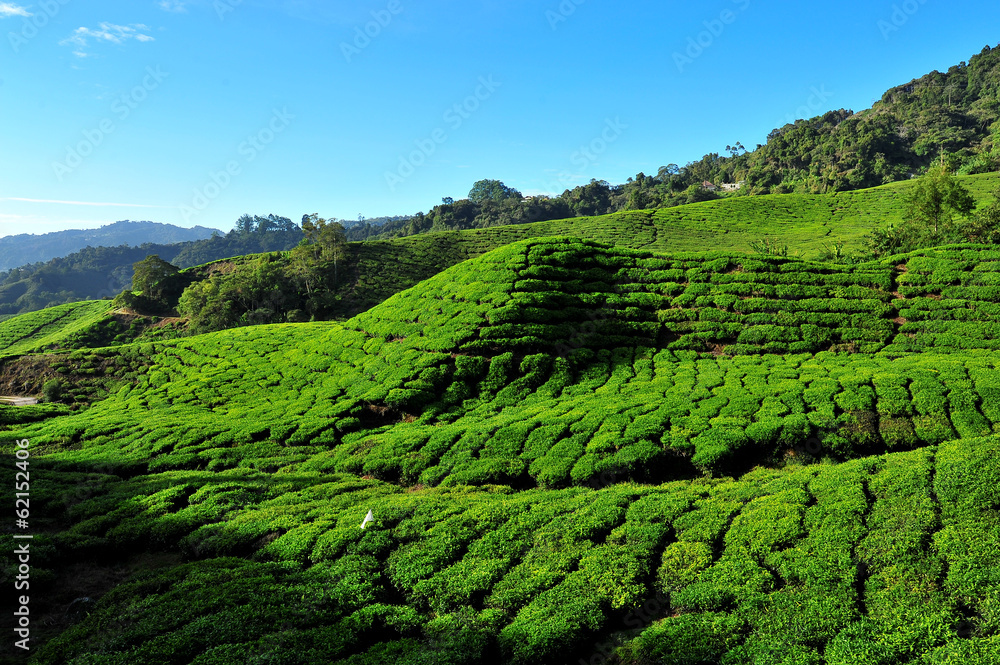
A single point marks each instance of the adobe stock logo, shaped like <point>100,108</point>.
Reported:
<point>900,16</point>
<point>363,38</point>
<point>701,42</point>
<point>223,7</point>
<point>566,9</point>
<point>455,117</point>
<point>587,155</point>
<point>32,22</point>
<point>815,104</point>
<point>249,150</point>
<point>122,108</point>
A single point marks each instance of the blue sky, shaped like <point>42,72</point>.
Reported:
<point>193,112</point>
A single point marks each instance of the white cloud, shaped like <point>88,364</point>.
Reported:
<point>176,6</point>
<point>106,32</point>
<point>9,9</point>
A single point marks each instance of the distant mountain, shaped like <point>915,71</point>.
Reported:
<point>25,248</point>
<point>97,272</point>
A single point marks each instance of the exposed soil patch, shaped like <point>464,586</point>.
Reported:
<point>717,350</point>
<point>169,321</point>
<point>26,375</point>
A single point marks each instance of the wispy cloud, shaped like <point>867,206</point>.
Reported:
<point>9,9</point>
<point>176,6</point>
<point>106,32</point>
<point>82,203</point>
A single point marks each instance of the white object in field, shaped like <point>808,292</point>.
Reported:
<point>368,518</point>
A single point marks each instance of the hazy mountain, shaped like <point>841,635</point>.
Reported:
<point>26,248</point>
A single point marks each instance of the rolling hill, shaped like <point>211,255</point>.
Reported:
<point>571,450</point>
<point>809,225</point>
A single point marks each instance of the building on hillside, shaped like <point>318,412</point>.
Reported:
<point>709,187</point>
<point>732,186</point>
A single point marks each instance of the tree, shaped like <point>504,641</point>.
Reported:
<point>245,225</point>
<point>325,242</point>
<point>984,226</point>
<point>929,217</point>
<point>159,285</point>
<point>150,273</point>
<point>935,199</point>
<point>492,190</point>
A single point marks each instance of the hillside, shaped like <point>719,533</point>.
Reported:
<point>952,114</point>
<point>25,249</point>
<point>808,224</point>
<point>568,448</point>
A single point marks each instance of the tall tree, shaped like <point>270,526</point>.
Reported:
<point>930,209</point>
<point>936,199</point>
<point>492,190</point>
<point>150,275</point>
<point>325,243</point>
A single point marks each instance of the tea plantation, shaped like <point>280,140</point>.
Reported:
<point>37,331</point>
<point>809,225</point>
<point>572,451</point>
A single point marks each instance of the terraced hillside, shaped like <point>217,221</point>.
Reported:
<point>33,346</point>
<point>52,327</point>
<point>570,451</point>
<point>808,224</point>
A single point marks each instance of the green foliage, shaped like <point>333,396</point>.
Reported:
<point>66,326</point>
<point>935,199</point>
<point>769,247</point>
<point>492,190</point>
<point>102,272</point>
<point>930,208</point>
<point>515,369</point>
<point>52,390</point>
<point>885,556</point>
<point>569,450</point>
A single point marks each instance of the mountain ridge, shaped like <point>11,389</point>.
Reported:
<point>22,249</point>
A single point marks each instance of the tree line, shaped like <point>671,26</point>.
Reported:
<point>101,272</point>
<point>271,287</point>
<point>951,117</point>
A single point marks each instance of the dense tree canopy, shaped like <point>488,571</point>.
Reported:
<point>492,190</point>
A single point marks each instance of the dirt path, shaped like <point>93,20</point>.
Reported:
<point>18,401</point>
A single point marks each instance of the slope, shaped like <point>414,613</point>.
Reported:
<point>552,362</point>
<point>888,557</point>
<point>497,420</point>
<point>808,224</point>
